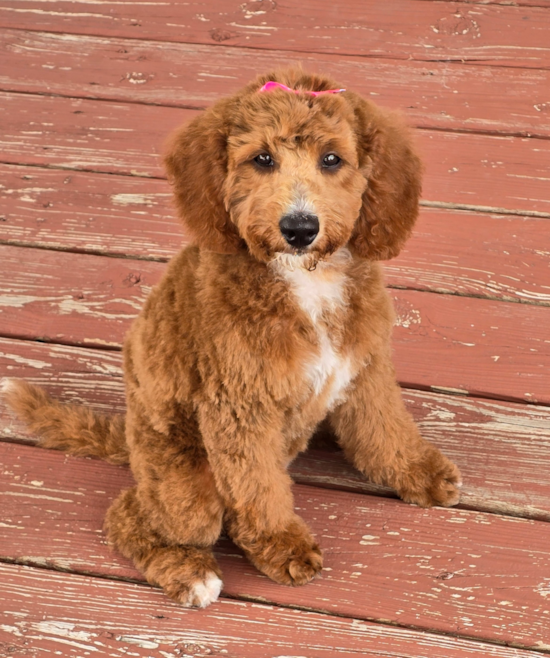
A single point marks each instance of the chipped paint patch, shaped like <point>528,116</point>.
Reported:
<point>138,641</point>
<point>449,390</point>
<point>63,629</point>
<point>410,317</point>
<point>137,199</point>
<point>543,588</point>
<point>34,363</point>
<point>368,540</point>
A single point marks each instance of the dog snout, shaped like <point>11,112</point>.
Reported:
<point>299,229</point>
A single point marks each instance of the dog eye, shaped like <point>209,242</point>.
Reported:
<point>330,161</point>
<point>264,160</point>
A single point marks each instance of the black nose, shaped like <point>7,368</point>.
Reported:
<point>299,229</point>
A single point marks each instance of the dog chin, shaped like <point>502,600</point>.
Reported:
<point>309,260</point>
<point>306,261</point>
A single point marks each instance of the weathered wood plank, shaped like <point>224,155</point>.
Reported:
<point>82,376</point>
<point>486,348</point>
<point>479,170</point>
<point>95,306</point>
<point>497,256</point>
<point>442,569</point>
<point>79,211</point>
<point>480,346</point>
<point>483,255</point>
<point>42,609</point>
<point>500,172</point>
<point>503,449</point>
<point>81,134</point>
<point>433,95</point>
<point>408,29</point>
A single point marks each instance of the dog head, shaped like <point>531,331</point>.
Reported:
<point>280,170</point>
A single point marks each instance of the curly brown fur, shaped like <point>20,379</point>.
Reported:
<point>249,341</point>
<point>71,428</point>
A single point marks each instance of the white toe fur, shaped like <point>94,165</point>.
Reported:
<point>204,592</point>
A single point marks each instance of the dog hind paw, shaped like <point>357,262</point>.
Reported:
<point>198,594</point>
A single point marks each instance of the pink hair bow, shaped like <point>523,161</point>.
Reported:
<point>271,85</point>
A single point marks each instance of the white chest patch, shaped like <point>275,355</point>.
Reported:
<point>316,292</point>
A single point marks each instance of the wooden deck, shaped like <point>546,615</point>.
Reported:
<point>88,91</point>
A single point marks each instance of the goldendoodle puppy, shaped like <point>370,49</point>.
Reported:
<point>275,318</point>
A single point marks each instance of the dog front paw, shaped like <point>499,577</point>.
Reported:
<point>289,557</point>
<point>431,480</point>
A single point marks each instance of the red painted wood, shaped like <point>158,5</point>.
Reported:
<point>70,374</point>
<point>484,347</point>
<point>477,170</point>
<point>480,170</point>
<point>545,4</point>
<point>503,449</point>
<point>79,211</point>
<point>404,29</point>
<point>95,306</point>
<point>39,611</point>
<point>432,94</point>
<point>80,134</point>
<point>453,571</point>
<point>484,255</point>
<point>497,256</point>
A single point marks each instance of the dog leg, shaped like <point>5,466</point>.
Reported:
<point>245,452</point>
<point>381,439</point>
<point>188,574</point>
<point>288,555</point>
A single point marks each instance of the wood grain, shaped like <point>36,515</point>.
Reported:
<point>502,173</point>
<point>469,253</point>
<point>411,29</point>
<point>114,618</point>
<point>452,571</point>
<point>79,211</point>
<point>474,254</point>
<point>95,306</point>
<point>435,94</point>
<point>91,135</point>
<point>71,374</point>
<point>493,349</point>
<point>502,449</point>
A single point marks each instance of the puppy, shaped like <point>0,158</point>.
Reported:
<point>275,318</point>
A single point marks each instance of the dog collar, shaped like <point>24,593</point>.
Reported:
<point>271,85</point>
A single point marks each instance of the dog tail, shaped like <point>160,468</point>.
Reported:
<point>72,428</point>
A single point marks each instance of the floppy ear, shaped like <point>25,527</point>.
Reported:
<point>394,175</point>
<point>196,161</point>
